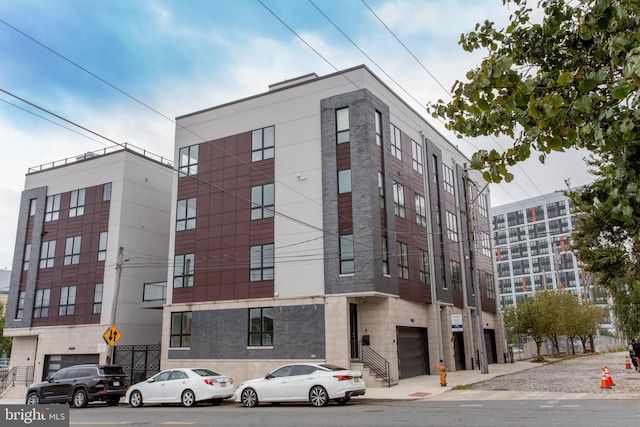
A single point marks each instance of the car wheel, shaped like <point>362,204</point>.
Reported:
<point>79,399</point>
<point>113,401</point>
<point>188,398</point>
<point>249,397</point>
<point>318,396</point>
<point>33,399</point>
<point>135,399</point>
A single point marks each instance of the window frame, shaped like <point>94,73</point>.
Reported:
<point>185,324</point>
<point>452,226</point>
<point>186,214</point>
<point>402,256</point>
<point>67,300</point>
<point>346,249</point>
<point>188,160</point>
<point>448,180</point>
<point>262,262</point>
<point>416,157</point>
<point>184,270</point>
<point>398,200</point>
<point>421,210</point>
<point>344,181</point>
<point>263,199</point>
<point>263,331</point>
<point>47,254</point>
<point>41,303</point>
<point>263,142</point>
<point>103,240</point>
<point>72,250</point>
<point>52,208</point>
<point>396,142</point>
<point>77,202</point>
<point>342,132</point>
<point>98,290</point>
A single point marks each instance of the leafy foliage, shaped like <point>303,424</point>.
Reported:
<point>569,81</point>
<point>5,342</point>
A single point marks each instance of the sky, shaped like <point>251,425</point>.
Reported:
<point>125,69</point>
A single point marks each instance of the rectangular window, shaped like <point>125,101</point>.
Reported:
<point>491,286</point>
<point>180,329</point>
<point>52,210</point>
<point>97,298</point>
<point>447,179</point>
<point>102,246</point>
<point>188,160</point>
<point>485,243</point>
<point>378,129</point>
<point>106,192</point>
<point>47,254</point>
<point>76,205</point>
<point>263,144</point>
<point>41,304</point>
<point>396,143</point>
<point>342,125</point>
<point>261,327</point>
<point>344,181</point>
<point>381,188</point>
<point>72,250</point>
<point>452,226</point>
<point>20,308</point>
<point>183,271</point>
<point>261,264</point>
<point>483,205</point>
<point>32,206</point>
<point>456,275</point>
<point>385,256</point>
<point>67,301</point>
<point>425,268</point>
<point>186,214</point>
<point>403,260</point>
<point>515,218</point>
<point>398,199</point>
<point>421,211</point>
<point>262,201</point>
<point>416,153</point>
<point>26,257</point>
<point>347,255</point>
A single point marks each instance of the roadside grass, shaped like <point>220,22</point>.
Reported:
<point>463,387</point>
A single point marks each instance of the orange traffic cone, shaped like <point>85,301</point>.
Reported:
<point>609,378</point>
<point>605,382</point>
<point>627,364</point>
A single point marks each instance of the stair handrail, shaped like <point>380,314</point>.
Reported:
<point>374,361</point>
<point>7,380</point>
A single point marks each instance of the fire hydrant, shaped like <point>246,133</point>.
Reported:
<point>443,374</point>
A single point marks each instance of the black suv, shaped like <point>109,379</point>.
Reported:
<point>79,385</point>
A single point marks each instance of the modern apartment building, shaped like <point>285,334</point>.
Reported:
<point>69,284</point>
<point>532,240</point>
<point>320,221</point>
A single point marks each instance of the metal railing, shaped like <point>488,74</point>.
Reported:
<point>16,374</point>
<point>154,291</point>
<point>375,362</point>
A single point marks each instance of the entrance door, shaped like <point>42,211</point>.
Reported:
<point>458,340</point>
<point>353,331</point>
<point>413,352</point>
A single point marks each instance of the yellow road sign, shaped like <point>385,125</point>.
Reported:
<point>112,335</point>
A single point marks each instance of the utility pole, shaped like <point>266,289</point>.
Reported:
<point>482,349</point>
<point>114,303</point>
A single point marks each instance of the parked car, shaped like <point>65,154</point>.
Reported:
<point>187,386</point>
<point>79,385</point>
<point>317,383</point>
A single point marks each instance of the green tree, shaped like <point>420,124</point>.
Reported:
<point>567,80</point>
<point>5,342</point>
<point>528,319</point>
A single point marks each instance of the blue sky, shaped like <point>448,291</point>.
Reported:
<point>146,62</point>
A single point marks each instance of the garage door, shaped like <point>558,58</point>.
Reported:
<point>413,353</point>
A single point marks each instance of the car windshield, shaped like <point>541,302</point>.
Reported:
<point>205,372</point>
<point>331,367</point>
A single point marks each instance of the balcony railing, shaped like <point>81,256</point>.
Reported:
<point>154,292</point>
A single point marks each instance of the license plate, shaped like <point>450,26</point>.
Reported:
<point>356,379</point>
<point>223,384</point>
<point>116,383</point>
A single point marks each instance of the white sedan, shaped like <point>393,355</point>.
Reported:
<point>187,386</point>
<point>317,383</point>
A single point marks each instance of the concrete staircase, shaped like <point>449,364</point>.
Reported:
<point>371,379</point>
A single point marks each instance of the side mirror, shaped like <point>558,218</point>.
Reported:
<point>151,380</point>
<point>268,377</point>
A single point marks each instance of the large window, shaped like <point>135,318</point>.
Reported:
<point>396,143</point>
<point>483,205</point>
<point>72,250</point>
<point>52,209</point>
<point>262,201</point>
<point>379,128</point>
<point>47,254</point>
<point>456,275</point>
<point>20,307</point>
<point>180,329</point>
<point>447,179</point>
<point>398,199</point>
<point>425,268</point>
<point>485,243</point>
<point>347,255</point>
<point>403,260</point>
<point>102,246</point>
<point>67,301</point>
<point>188,160</point>
<point>491,286</point>
<point>261,327</point>
<point>186,214</point>
<point>263,144</point>
<point>261,263</point>
<point>76,204</point>
<point>416,152</point>
<point>41,303</point>
<point>421,211</point>
<point>342,125</point>
<point>97,298</point>
<point>183,271</point>
<point>452,226</point>
<point>106,192</point>
<point>344,181</point>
